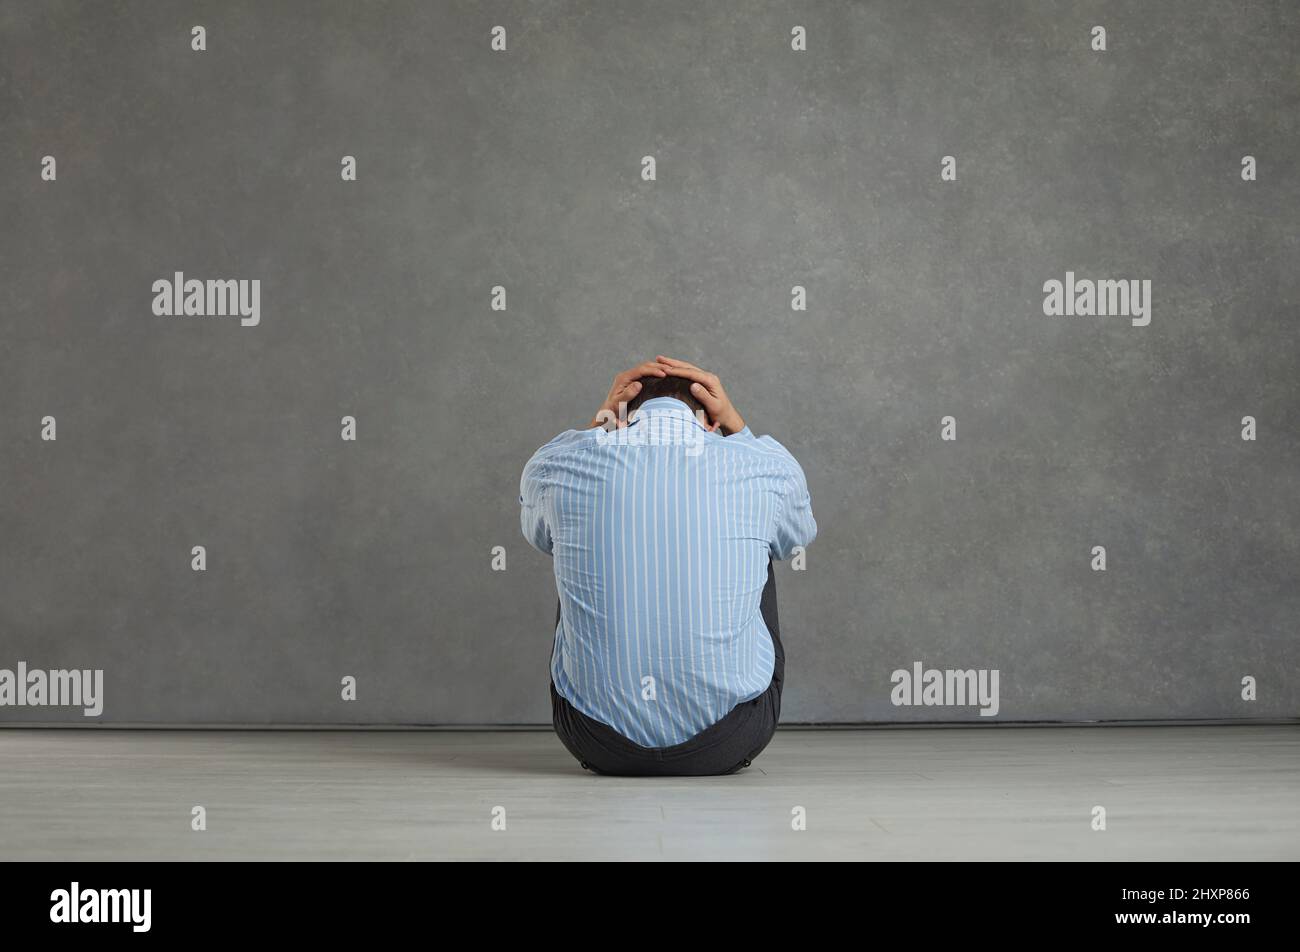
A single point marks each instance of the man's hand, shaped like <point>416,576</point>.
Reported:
<point>707,389</point>
<point>626,386</point>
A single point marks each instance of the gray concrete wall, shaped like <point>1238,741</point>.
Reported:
<point>775,168</point>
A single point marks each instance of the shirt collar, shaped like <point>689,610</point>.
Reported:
<point>665,406</point>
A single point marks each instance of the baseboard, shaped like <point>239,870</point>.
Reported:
<point>810,725</point>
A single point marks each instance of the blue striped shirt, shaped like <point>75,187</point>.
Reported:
<point>660,534</point>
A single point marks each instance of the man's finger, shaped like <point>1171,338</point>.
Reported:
<point>710,380</point>
<point>711,403</point>
<point>649,369</point>
<point>702,377</point>
<point>674,363</point>
<point>690,373</point>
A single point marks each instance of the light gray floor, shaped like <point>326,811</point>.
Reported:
<point>1007,793</point>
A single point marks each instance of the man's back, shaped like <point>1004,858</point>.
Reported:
<point>661,534</point>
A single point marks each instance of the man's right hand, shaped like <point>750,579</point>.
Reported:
<point>707,389</point>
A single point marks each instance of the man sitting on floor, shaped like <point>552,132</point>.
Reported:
<point>663,521</point>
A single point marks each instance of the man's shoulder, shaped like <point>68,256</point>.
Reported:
<point>569,439</point>
<point>764,447</point>
<point>552,453</point>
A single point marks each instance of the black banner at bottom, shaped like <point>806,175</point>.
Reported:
<point>136,901</point>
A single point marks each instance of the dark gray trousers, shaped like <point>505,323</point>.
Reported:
<point>722,748</point>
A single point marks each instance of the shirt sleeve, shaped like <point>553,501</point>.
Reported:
<point>534,489</point>
<point>532,504</point>
<point>795,525</point>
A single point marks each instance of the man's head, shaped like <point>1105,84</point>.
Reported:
<point>670,386</point>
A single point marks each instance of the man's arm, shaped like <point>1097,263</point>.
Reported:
<point>795,525</point>
<point>532,505</point>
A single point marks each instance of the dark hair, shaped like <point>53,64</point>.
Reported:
<point>669,386</point>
